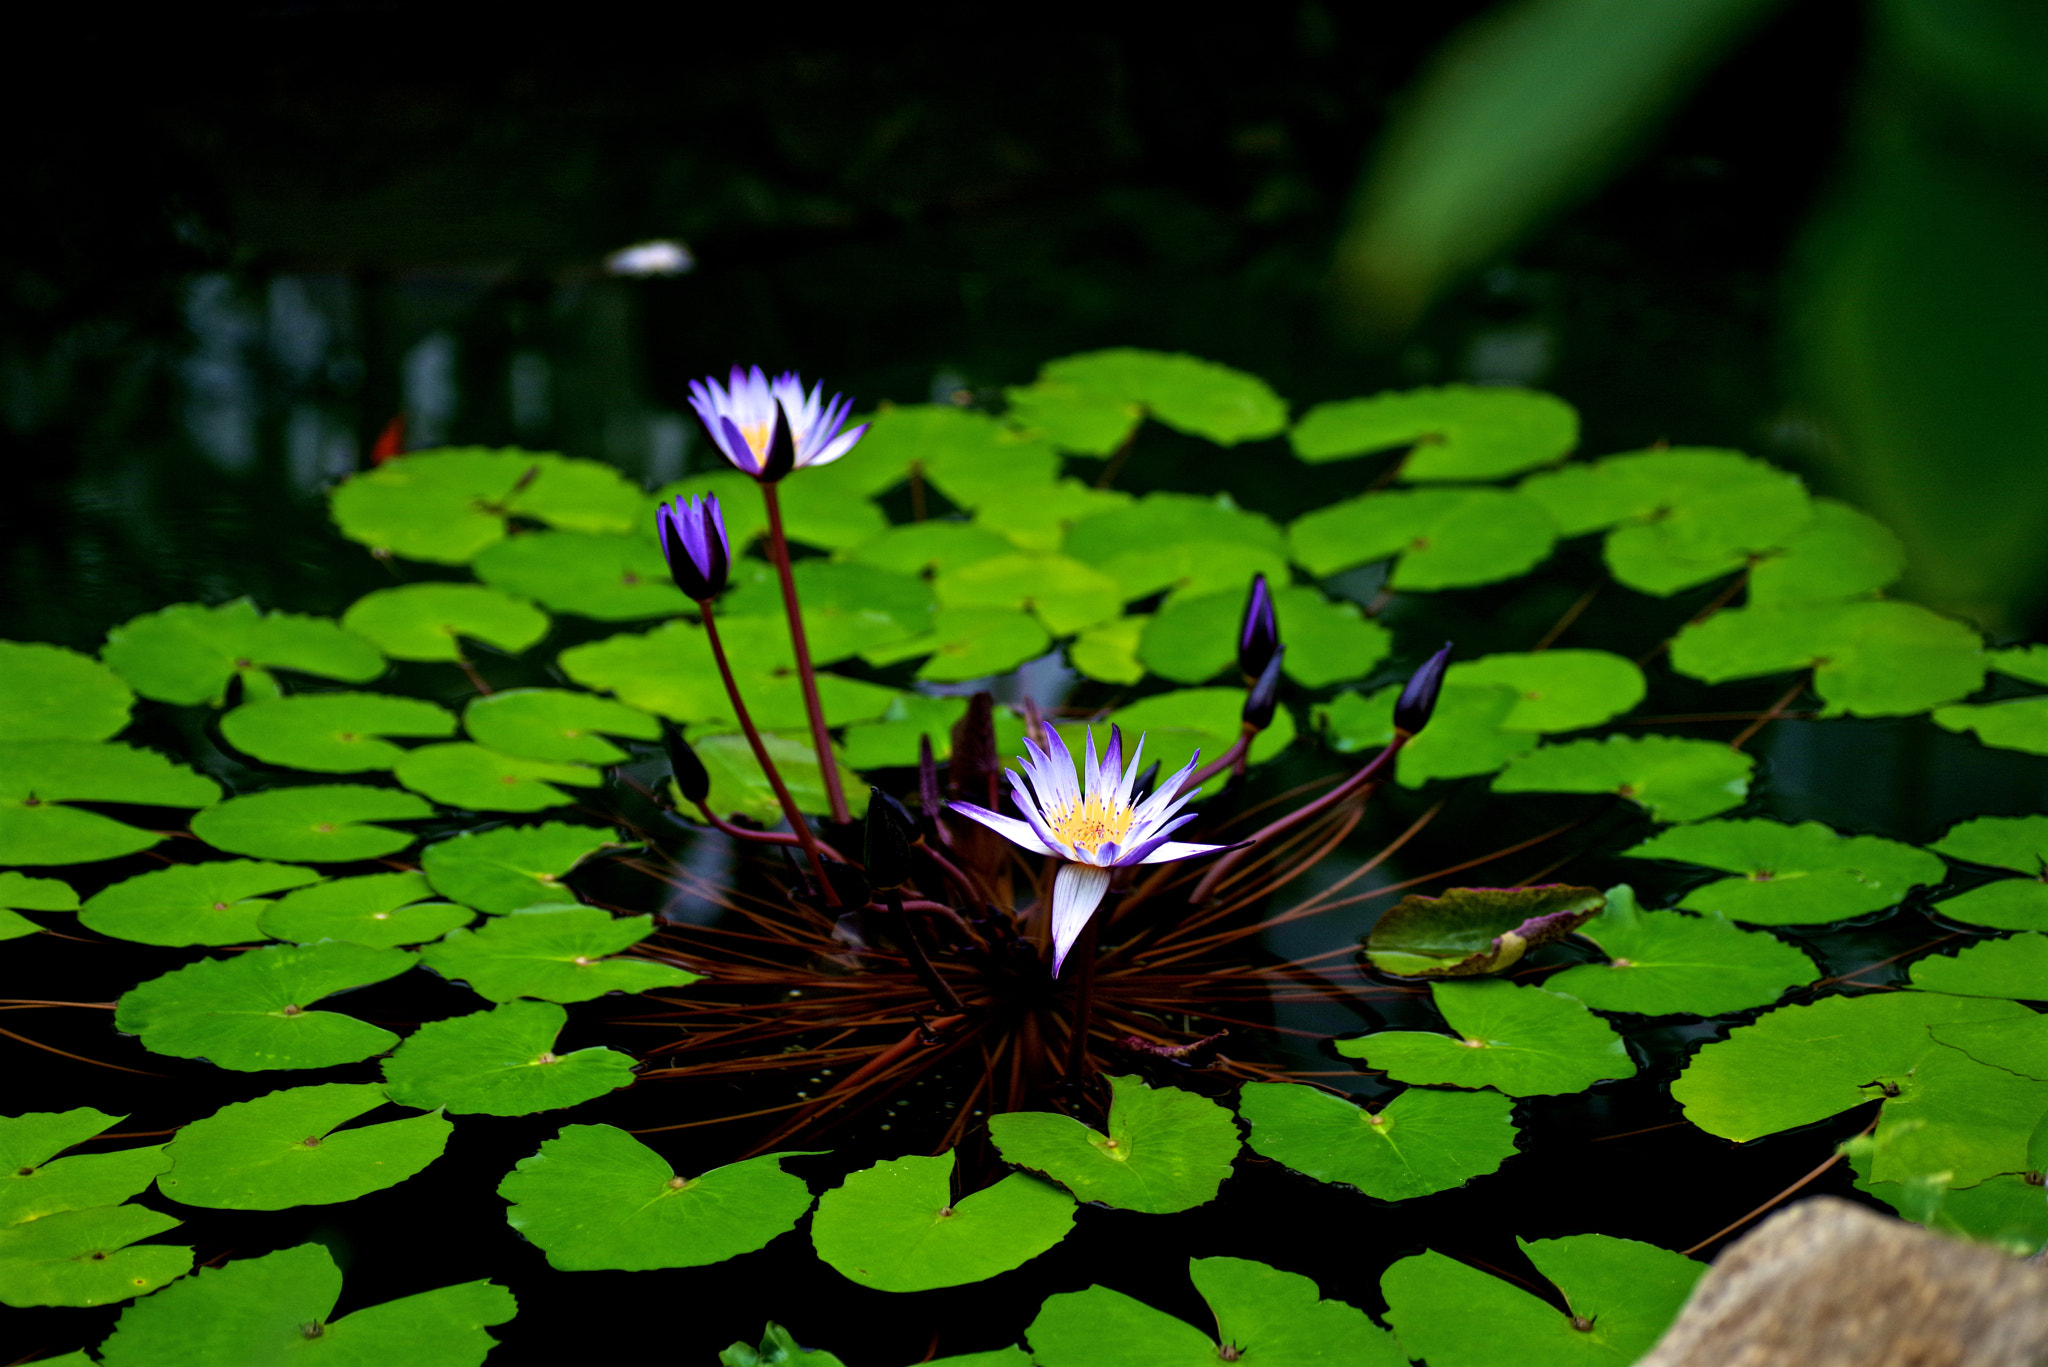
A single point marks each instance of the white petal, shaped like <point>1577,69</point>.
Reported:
<point>1077,890</point>
<point>1008,827</point>
<point>1130,778</point>
<point>1163,803</point>
<point>1177,849</point>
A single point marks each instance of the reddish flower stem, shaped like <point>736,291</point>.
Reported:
<point>778,553</point>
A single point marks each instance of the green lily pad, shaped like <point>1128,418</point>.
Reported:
<point>1557,690</point>
<point>380,910</point>
<point>276,1309</point>
<point>216,903</point>
<point>2015,969</point>
<point>1456,432</point>
<point>1878,659</point>
<point>1445,538</point>
<point>919,548</point>
<point>2001,842</point>
<point>1675,779</point>
<point>1625,1293</point>
<point>446,506</point>
<point>969,643</point>
<point>779,1348</point>
<point>286,1149</point>
<point>1262,1315</point>
<point>595,1198</point>
<point>38,776</point>
<point>1842,553</point>
<point>1464,737</point>
<point>1186,393</point>
<point>554,953</point>
<point>50,693</point>
<point>826,507</point>
<point>484,780</point>
<point>970,457</point>
<point>895,1226</point>
<point>1956,1115</point>
<point>1523,1041</point>
<point>1176,724</point>
<point>1471,931</point>
<point>513,866</point>
<point>1792,875</point>
<point>849,607</point>
<point>500,1062</point>
<point>1660,962</point>
<point>1821,1059</point>
<point>253,1012</point>
<point>2009,904</point>
<point>739,788</point>
<point>333,733</point>
<point>1166,1149</point>
<point>2005,1211</point>
<point>2021,662</point>
<point>31,894</point>
<point>428,621</point>
<point>1041,519</point>
<point>892,741</point>
<point>611,578</point>
<point>1109,652</point>
<point>83,1257</point>
<point>1073,417</point>
<point>2021,724</point>
<point>1192,639</point>
<point>34,1182</point>
<point>2018,1044</point>
<point>1183,542</point>
<point>320,824</point>
<point>1065,594</point>
<point>188,652</point>
<point>1420,1142</point>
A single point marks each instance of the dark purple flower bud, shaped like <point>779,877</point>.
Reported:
<point>1418,699</point>
<point>1258,636</point>
<point>928,795</point>
<point>693,540</point>
<point>890,834</point>
<point>781,457</point>
<point>692,780</point>
<point>1264,695</point>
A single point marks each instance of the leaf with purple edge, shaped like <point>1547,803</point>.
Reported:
<point>1469,931</point>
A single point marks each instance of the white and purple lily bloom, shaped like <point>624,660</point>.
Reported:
<point>743,415</point>
<point>1093,824</point>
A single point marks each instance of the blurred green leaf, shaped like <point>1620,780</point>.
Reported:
<point>969,643</point>
<point>38,776</point>
<point>1445,538</point>
<point>1953,1114</point>
<point>332,733</point>
<point>969,457</point>
<point>739,788</point>
<point>1198,397</point>
<point>2021,662</point>
<point>50,693</point>
<point>1842,553</point>
<point>188,652</point>
<point>425,621</point>
<point>1181,542</point>
<point>2015,968</point>
<point>1040,518</point>
<point>2021,724</point>
<point>848,607</point>
<point>1558,690</point>
<point>448,505</point>
<point>320,824</point>
<point>1108,653</point>
<point>892,741</point>
<point>35,1182</point>
<point>31,894</point>
<point>1464,737</point>
<point>555,724</point>
<point>611,578</point>
<point>1868,659</point>
<point>215,903</point>
<point>1675,779</point>
<point>2003,842</point>
<point>1176,724</point>
<point>1065,594</point>
<point>1457,432</point>
<point>84,1257</point>
<point>917,547</point>
<point>481,779</point>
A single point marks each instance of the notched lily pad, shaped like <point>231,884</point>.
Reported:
<point>1456,432</point>
<point>1445,538</point>
<point>84,1257</point>
<point>896,1227</point>
<point>448,505</point>
<point>381,910</point>
<point>1676,779</point>
<point>332,733</point>
<point>1166,1149</point>
<point>319,824</point>
<point>556,724</point>
<point>18,890</point>
<point>611,578</point>
<point>216,903</point>
<point>254,1012</point>
<point>513,866</point>
<point>50,693</point>
<point>1470,931</point>
<point>38,777</point>
<point>2015,968</point>
<point>1523,1041</point>
<point>1665,961</point>
<point>188,652</point>
<point>1792,875</point>
<point>287,1149</point>
<point>484,780</point>
<point>34,1182</point>
<point>428,621</point>
<point>554,953</point>
<point>500,1062</point>
<point>1422,1141</point>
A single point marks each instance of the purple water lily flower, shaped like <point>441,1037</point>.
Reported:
<point>693,540</point>
<point>769,428</point>
<point>1094,824</point>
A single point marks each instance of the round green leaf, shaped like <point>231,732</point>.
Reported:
<point>333,733</point>
<point>2014,968</point>
<point>972,458</point>
<point>827,506</point>
<point>1792,875</point>
<point>285,1149</point>
<point>970,643</point>
<point>2005,1211</point>
<point>465,775</point>
<point>38,776</point>
<point>1065,594</point>
<point>276,1309</point>
<point>1182,542</point>
<point>1842,553</point>
<point>892,741</point>
<point>849,608</point>
<point>1194,638</point>
<point>917,548</point>
<point>1677,780</point>
<point>595,1198</point>
<point>2009,904</point>
<point>2018,1044</point>
<point>1446,538</point>
<point>1457,432</point>
<point>554,953</point>
<point>611,578</point>
<point>34,1182</point>
<point>1953,1114</point>
<point>188,652</point>
<point>1868,659</point>
<point>82,1257</point>
<point>1166,1149</point>
<point>739,788</point>
<point>1558,690</point>
<point>2002,842</point>
<point>426,621</point>
<point>1470,931</point>
<point>1821,1059</point>
<point>381,910</point>
<point>1520,1040</point>
<point>2021,662</point>
<point>252,1012</point>
<point>216,903</point>
<point>2021,724</point>
<point>1192,395</point>
<point>1089,422</point>
<point>50,693</point>
<point>895,1226</point>
<point>448,505</point>
<point>500,1062</point>
<point>513,866</point>
<point>320,824</point>
<point>1039,519</point>
<point>1175,725</point>
<point>1463,738</point>
<point>1420,1142</point>
<point>33,894</point>
<point>1660,962</point>
<point>1109,652</point>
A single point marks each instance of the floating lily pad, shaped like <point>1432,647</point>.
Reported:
<point>1445,538</point>
<point>595,1198</point>
<point>827,507</point>
<point>1075,418</point>
<point>1175,725</point>
<point>1625,1294</point>
<point>1470,931</point>
<point>332,733</point>
<point>1876,659</point>
<point>1064,594</point>
<point>428,621</point>
<point>895,1226</point>
<point>484,780</point>
<point>779,1348</point>
<point>1675,779</point>
<point>892,741</point>
<point>50,693</point>
<point>611,578</point>
<point>2015,969</point>
<point>2009,904</point>
<point>1953,1114</point>
<point>1523,1041</point>
<point>2021,724</point>
<point>2021,662</point>
<point>848,607</point>
<point>739,788</point>
<point>286,1149</point>
<point>1192,395</point>
<point>320,824</point>
<point>2002,842</point>
<point>500,1062</point>
<point>253,1012</point>
<point>446,506</point>
<point>1192,639</point>
<point>1464,737</point>
<point>2018,1044</point>
<point>513,866</point>
<point>381,910</point>
<point>1821,1059</point>
<point>1182,542</point>
<point>969,643</point>
<point>1792,875</point>
<point>38,776</point>
<point>1166,1149</point>
<point>1109,652</point>
<point>918,548</point>
<point>1456,432</point>
<point>1558,690</point>
<point>554,953</point>
<point>34,1182</point>
<point>968,456</point>
<point>1664,961</point>
<point>1040,519</point>
<point>188,652</point>
<point>83,1257</point>
<point>30,894</point>
<point>277,1308</point>
<point>1842,553</point>
<point>1420,1142</point>
<point>1262,1315</point>
<point>216,903</point>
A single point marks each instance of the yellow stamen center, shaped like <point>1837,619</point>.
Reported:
<point>757,437</point>
<point>1097,820</point>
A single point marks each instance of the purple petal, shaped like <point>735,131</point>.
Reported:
<point>1008,827</point>
<point>736,447</point>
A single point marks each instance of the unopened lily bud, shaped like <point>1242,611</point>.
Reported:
<point>1418,699</point>
<point>1258,635</point>
<point>890,834</point>
<point>692,780</point>
<point>1264,695</point>
<point>694,543</point>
